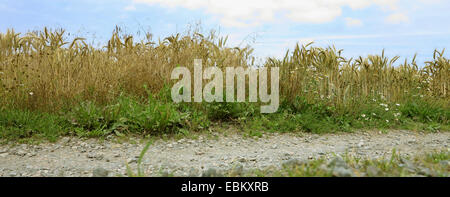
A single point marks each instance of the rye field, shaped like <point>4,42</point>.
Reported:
<point>52,86</point>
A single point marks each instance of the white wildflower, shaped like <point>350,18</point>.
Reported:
<point>384,105</point>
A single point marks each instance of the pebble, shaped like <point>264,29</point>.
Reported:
<point>211,172</point>
<point>100,172</point>
<point>21,153</point>
<point>131,160</point>
<point>237,170</point>
<point>292,163</point>
<point>97,156</point>
<point>373,170</point>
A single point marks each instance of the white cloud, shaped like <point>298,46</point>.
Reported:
<point>430,1</point>
<point>241,13</point>
<point>397,18</point>
<point>351,22</point>
<point>130,8</point>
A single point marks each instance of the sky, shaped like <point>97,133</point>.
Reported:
<point>359,27</point>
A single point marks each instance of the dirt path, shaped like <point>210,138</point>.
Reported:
<point>188,157</point>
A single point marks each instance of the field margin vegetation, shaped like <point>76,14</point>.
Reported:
<point>51,86</point>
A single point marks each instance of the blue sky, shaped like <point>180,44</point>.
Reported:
<point>360,27</point>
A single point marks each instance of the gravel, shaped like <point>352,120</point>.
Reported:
<point>211,156</point>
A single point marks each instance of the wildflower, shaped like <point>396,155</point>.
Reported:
<point>374,114</point>
<point>387,121</point>
<point>421,96</point>
<point>363,115</point>
<point>398,105</point>
<point>387,109</point>
<point>384,105</point>
<point>397,115</point>
<point>31,93</point>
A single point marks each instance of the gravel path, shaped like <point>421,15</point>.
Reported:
<point>191,157</point>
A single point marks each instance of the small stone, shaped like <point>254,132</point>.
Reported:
<point>342,172</point>
<point>100,172</point>
<point>131,160</point>
<point>31,154</point>
<point>373,170</point>
<point>274,146</point>
<point>292,163</point>
<point>409,165</point>
<point>21,153</point>
<point>337,162</point>
<point>3,155</point>
<point>445,163</point>
<point>242,159</point>
<point>412,141</point>
<point>361,144</point>
<point>193,172</point>
<point>95,156</point>
<point>425,171</point>
<point>340,168</point>
<point>237,170</point>
<point>165,173</point>
<point>211,172</point>
<point>65,140</point>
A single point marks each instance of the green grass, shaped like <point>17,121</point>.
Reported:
<point>299,115</point>
<point>428,164</point>
<point>157,115</point>
<point>24,125</point>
